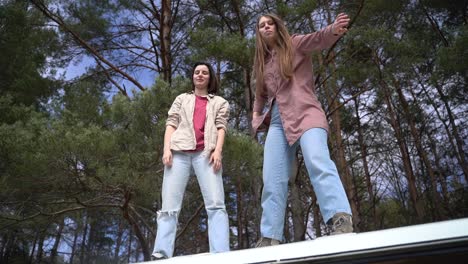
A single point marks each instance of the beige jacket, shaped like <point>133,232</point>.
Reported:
<point>180,116</point>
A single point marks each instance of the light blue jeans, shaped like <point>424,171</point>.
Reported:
<point>277,162</point>
<point>173,189</point>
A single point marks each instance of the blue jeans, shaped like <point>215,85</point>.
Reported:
<point>173,189</point>
<point>277,162</point>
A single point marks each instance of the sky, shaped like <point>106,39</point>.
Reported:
<point>78,67</point>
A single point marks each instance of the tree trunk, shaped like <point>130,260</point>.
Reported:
<point>337,142</point>
<point>33,250</point>
<point>433,183</point>
<point>458,147</point>
<point>165,23</point>
<point>247,234</point>
<point>118,241</point>
<point>141,238</point>
<point>247,70</point>
<point>317,216</point>
<point>136,227</point>
<point>363,149</point>
<point>441,176</point>
<point>240,209</point>
<point>297,209</point>
<point>459,142</point>
<point>248,96</point>
<point>439,173</point>
<point>83,239</point>
<point>75,239</point>
<point>40,246</point>
<point>9,242</point>
<point>404,153</point>
<point>53,252</point>
<point>129,250</point>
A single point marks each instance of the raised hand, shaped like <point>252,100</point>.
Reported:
<point>339,27</point>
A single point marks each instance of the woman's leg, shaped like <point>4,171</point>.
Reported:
<point>277,160</point>
<point>323,174</point>
<point>211,186</point>
<point>173,189</point>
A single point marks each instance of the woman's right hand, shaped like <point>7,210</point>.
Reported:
<point>167,158</point>
<point>255,115</point>
<point>340,26</point>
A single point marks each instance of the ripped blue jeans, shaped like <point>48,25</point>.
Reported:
<point>173,189</point>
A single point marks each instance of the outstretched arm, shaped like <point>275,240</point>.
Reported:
<point>323,38</point>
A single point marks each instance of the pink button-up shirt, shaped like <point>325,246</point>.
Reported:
<point>297,101</point>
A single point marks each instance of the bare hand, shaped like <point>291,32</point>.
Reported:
<point>216,159</point>
<point>167,158</point>
<point>339,27</point>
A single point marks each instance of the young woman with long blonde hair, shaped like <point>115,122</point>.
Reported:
<point>287,104</point>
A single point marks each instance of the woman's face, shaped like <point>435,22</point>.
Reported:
<point>267,28</point>
<point>201,77</point>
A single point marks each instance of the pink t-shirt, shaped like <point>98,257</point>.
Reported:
<point>199,117</point>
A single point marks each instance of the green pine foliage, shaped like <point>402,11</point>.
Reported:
<point>80,161</point>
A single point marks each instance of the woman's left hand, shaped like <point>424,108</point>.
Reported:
<point>339,27</point>
<point>216,159</point>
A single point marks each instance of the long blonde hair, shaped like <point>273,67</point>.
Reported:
<point>284,49</point>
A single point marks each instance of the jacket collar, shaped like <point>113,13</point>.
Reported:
<point>210,96</point>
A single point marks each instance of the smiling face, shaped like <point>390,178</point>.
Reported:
<point>201,79</point>
<point>267,29</point>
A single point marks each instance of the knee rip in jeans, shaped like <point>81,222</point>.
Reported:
<point>167,213</point>
<point>215,208</point>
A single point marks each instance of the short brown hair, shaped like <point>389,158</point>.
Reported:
<point>213,84</point>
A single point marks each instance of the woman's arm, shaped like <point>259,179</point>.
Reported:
<point>167,153</point>
<point>173,116</point>
<point>222,115</point>
<point>260,99</point>
<point>323,38</point>
<point>221,120</point>
<point>172,122</point>
<point>217,155</point>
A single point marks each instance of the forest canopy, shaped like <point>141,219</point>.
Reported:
<point>80,156</point>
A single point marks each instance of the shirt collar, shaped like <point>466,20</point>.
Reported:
<point>209,96</point>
